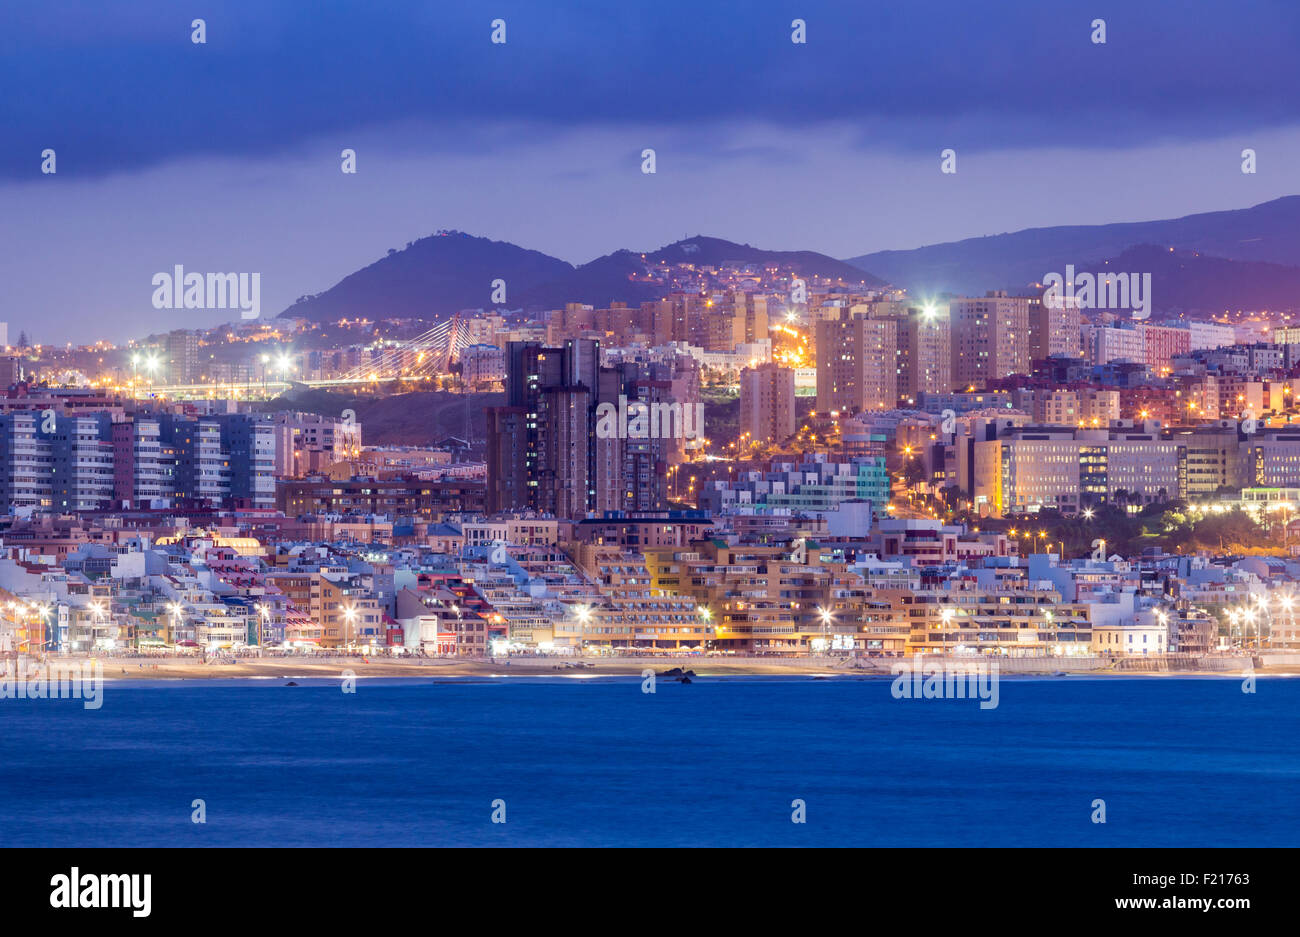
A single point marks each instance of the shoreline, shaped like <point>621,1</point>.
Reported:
<point>268,669</point>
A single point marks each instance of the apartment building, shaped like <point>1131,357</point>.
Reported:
<point>1033,468</point>
<point>990,338</point>
<point>549,451</point>
<point>767,411</point>
<point>1054,330</point>
<point>310,442</point>
<point>857,362</point>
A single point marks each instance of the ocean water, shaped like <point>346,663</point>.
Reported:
<point>596,762</point>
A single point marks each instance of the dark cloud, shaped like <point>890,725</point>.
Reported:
<point>119,86</point>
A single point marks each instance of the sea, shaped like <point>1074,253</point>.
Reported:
<point>595,761</point>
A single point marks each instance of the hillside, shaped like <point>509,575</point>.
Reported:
<point>437,276</point>
<point>421,418</point>
<point>431,278</point>
<point>1265,233</point>
<point>1185,281</point>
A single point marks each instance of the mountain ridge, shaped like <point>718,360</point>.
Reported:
<point>1268,232</point>
<point>446,272</point>
<point>1247,258</point>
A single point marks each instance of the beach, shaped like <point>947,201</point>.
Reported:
<point>192,668</point>
<point>189,668</point>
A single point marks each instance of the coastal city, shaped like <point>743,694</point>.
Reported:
<point>763,462</point>
<point>648,427</point>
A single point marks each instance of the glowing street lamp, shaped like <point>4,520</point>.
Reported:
<point>42,611</point>
<point>177,612</point>
<point>264,616</point>
<point>826,616</point>
<point>349,616</point>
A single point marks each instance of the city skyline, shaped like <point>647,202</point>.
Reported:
<point>671,425</point>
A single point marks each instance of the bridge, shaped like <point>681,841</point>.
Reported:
<point>426,357</point>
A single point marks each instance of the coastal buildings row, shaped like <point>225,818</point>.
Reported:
<point>656,582</point>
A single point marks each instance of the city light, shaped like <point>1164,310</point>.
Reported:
<point>472,451</point>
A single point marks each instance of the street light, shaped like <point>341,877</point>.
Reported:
<point>826,616</point>
<point>583,614</point>
<point>349,616</point>
<point>264,615</point>
<point>97,611</point>
<point>177,612</point>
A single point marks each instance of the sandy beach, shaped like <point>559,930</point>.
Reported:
<point>189,668</point>
<point>416,668</point>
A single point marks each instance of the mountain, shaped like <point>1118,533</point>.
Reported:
<point>615,276</point>
<point>1188,281</point>
<point>1266,233</point>
<point>602,281</point>
<point>709,251</point>
<point>431,278</point>
<point>439,275</point>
